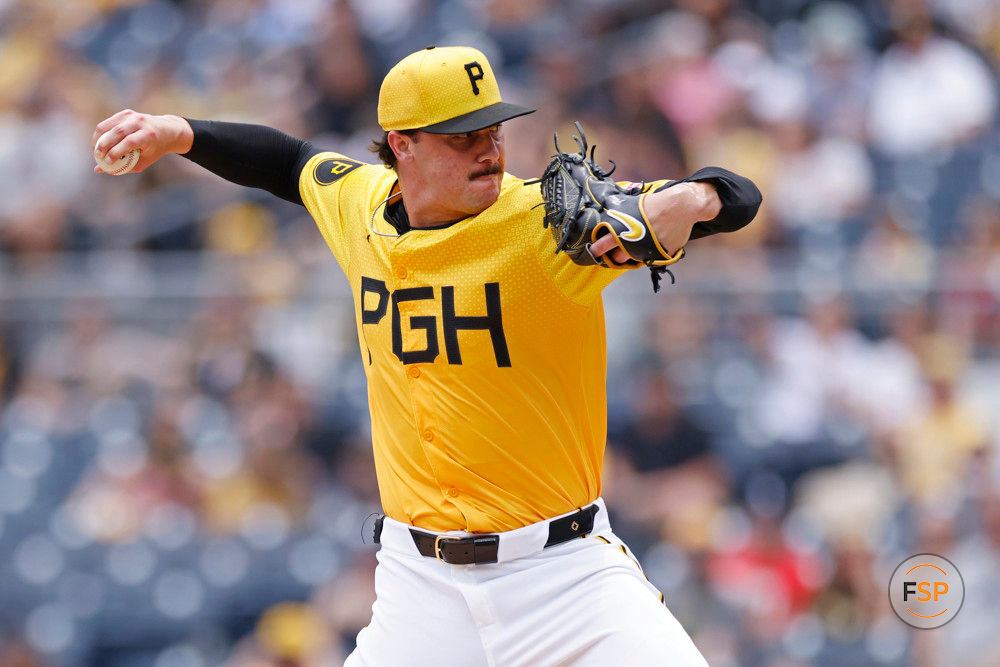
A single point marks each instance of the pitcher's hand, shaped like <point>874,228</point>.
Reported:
<point>153,136</point>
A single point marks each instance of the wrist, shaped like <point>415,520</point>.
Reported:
<point>183,134</point>
<point>708,205</point>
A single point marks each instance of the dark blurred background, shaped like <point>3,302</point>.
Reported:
<point>185,463</point>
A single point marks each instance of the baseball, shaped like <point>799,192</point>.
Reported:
<point>122,165</point>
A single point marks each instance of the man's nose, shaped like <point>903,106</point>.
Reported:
<point>490,149</point>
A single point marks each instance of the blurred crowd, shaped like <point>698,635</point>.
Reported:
<point>185,465</point>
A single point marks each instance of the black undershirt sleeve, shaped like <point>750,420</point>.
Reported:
<point>252,155</point>
<point>740,200</point>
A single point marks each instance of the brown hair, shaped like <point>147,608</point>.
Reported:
<point>382,148</point>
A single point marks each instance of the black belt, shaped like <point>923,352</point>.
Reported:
<point>484,548</point>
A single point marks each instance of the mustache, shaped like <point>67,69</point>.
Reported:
<point>494,168</point>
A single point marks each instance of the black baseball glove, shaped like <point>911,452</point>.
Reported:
<point>582,204</point>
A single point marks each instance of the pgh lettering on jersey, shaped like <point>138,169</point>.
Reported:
<point>478,424</point>
<point>451,322</point>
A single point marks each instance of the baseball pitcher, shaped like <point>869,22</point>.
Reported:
<point>469,285</point>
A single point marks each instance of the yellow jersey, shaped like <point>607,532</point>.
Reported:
<point>484,352</point>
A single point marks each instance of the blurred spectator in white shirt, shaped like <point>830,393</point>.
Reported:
<point>819,180</point>
<point>818,367</point>
<point>930,91</point>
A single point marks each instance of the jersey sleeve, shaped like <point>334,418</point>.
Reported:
<point>252,155</point>
<point>581,284</point>
<point>334,189</point>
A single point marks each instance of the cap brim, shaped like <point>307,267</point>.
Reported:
<point>478,119</point>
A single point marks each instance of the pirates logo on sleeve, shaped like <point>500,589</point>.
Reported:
<point>330,171</point>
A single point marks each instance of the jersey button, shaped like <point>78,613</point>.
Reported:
<point>453,492</point>
<point>413,372</point>
<point>428,435</point>
<point>401,272</point>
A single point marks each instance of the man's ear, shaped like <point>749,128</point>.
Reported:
<point>401,145</point>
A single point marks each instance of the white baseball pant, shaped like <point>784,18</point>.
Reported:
<point>583,602</point>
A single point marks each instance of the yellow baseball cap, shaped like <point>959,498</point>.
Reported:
<point>443,90</point>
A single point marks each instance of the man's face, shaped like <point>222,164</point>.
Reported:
<point>458,175</point>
